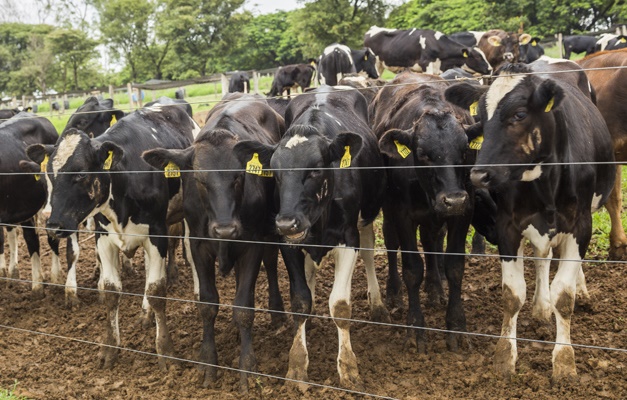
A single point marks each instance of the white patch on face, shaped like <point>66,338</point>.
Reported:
<point>434,67</point>
<point>295,141</point>
<point>478,35</point>
<point>423,42</point>
<point>532,174</point>
<point>375,30</point>
<point>64,152</point>
<point>499,89</point>
<point>438,35</point>
<point>482,54</point>
<point>596,202</point>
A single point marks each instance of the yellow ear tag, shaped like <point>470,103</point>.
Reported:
<point>473,109</point>
<point>113,120</point>
<point>534,43</point>
<point>108,161</point>
<point>366,57</point>
<point>549,105</point>
<point>623,40</point>
<point>465,54</point>
<point>345,162</point>
<point>476,143</point>
<point>402,149</point>
<point>254,167</point>
<point>44,165</point>
<point>172,170</point>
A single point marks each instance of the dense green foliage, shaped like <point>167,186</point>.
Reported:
<point>180,39</point>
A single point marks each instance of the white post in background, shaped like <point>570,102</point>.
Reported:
<point>225,84</point>
<point>111,91</point>
<point>560,45</point>
<point>129,89</point>
<point>256,81</point>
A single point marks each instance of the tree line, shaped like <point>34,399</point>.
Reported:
<point>182,39</point>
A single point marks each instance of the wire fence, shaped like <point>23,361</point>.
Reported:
<point>305,245</point>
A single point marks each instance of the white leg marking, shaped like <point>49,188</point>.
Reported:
<point>542,308</point>
<point>3,264</point>
<point>310,275</point>
<point>55,270</point>
<point>190,256</point>
<point>366,242</point>
<point>582,288</point>
<point>12,241</point>
<point>37,275</point>
<point>110,276</point>
<point>70,282</point>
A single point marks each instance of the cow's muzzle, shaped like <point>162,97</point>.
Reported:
<point>508,56</point>
<point>293,229</point>
<point>57,230</point>
<point>450,204</point>
<point>488,178</point>
<point>229,230</point>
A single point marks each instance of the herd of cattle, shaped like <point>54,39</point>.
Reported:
<point>528,157</point>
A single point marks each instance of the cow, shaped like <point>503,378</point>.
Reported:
<point>7,114</point>
<point>321,202</point>
<point>278,104</point>
<point>290,77</point>
<point>368,87</point>
<point>179,94</point>
<point>467,38</point>
<point>338,60</point>
<point>546,185</point>
<point>94,116</point>
<point>422,50</point>
<point>578,44</point>
<point>416,126</point>
<point>239,82</point>
<point>500,46</point>
<point>167,101</point>
<point>22,196</point>
<point>228,204</point>
<point>609,41</point>
<point>106,178</point>
<point>531,51</point>
<point>610,86</point>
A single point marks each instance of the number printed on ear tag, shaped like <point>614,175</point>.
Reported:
<point>473,109</point>
<point>255,167</point>
<point>172,170</point>
<point>476,143</point>
<point>345,162</point>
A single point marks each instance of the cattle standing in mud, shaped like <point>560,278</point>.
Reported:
<point>321,202</point>
<point>530,124</point>
<point>90,177</point>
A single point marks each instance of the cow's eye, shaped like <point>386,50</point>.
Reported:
<point>520,115</point>
<point>80,177</point>
<point>316,173</point>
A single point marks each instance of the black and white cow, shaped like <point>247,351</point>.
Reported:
<point>545,158</point>
<point>367,86</point>
<point>290,77</point>
<point>221,201</point>
<point>23,196</point>
<point>578,44</point>
<point>418,127</point>
<point>609,41</point>
<point>338,60</point>
<point>239,82</point>
<point>422,50</point>
<point>321,202</point>
<point>92,177</point>
<point>94,116</point>
<point>467,38</point>
<point>167,101</point>
<point>531,51</point>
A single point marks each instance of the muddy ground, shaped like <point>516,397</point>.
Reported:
<point>57,368</point>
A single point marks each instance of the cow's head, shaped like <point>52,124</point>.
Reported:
<point>531,51</point>
<point>94,117</point>
<point>476,61</point>
<point>218,176</point>
<point>436,140</point>
<point>301,165</point>
<point>366,60</point>
<point>517,122</point>
<point>505,46</point>
<point>76,175</point>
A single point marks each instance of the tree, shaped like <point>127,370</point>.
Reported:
<point>73,49</point>
<point>37,70</point>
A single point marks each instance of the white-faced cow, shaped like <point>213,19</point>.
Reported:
<point>578,44</point>
<point>239,82</point>
<point>500,46</point>
<point>22,196</point>
<point>418,127</point>
<point>106,178</point>
<point>221,201</point>
<point>611,86</point>
<point>422,50</point>
<point>321,201</point>
<point>546,157</point>
<point>291,77</point>
<point>338,60</point>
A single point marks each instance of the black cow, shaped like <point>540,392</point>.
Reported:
<point>578,44</point>
<point>531,51</point>
<point>8,113</point>
<point>22,196</point>
<point>422,50</point>
<point>278,104</point>
<point>94,117</point>
<point>467,38</point>
<point>338,60</point>
<point>321,201</point>
<point>418,127</point>
<point>230,205</point>
<point>291,76</point>
<point>239,82</point>
<point>167,101</point>
<point>367,86</point>
<point>129,208</point>
<point>547,158</point>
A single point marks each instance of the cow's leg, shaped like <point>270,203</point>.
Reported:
<point>310,274</point>
<point>514,295</point>
<point>203,272</point>
<point>156,249</point>
<point>432,242</point>
<point>246,272</point>
<point>378,312</point>
<point>148,314</point>
<point>55,268</point>
<point>583,297</point>
<point>340,306</point>
<point>301,303</point>
<point>32,243</point>
<point>12,239</point>
<point>618,239</point>
<point>393,296</point>
<point>72,252</point>
<point>454,265</point>
<point>174,231</point>
<point>275,301</point>
<point>110,286</point>
<point>478,244</point>
<point>542,308</point>
<point>3,264</point>
<point>563,290</point>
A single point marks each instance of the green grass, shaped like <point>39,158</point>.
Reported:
<point>554,52</point>
<point>9,394</point>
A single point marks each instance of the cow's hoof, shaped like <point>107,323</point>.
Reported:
<point>618,252</point>
<point>108,357</point>
<point>297,377</point>
<point>167,363</point>
<point>172,277</point>
<point>57,279</point>
<point>416,345</point>
<point>564,364</point>
<point>147,320</point>
<point>504,362</point>
<point>207,376</point>
<point>353,383</point>
<point>72,302</point>
<point>38,292</point>
<point>380,314</point>
<point>393,301</point>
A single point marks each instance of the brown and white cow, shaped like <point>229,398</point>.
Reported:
<point>500,46</point>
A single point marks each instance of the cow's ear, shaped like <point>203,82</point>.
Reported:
<point>464,94</point>
<point>396,143</point>
<point>29,166</point>
<point>245,152</point>
<point>494,41</point>
<point>547,96</point>
<point>38,152</point>
<point>345,147</point>
<point>465,52</point>
<point>524,38</point>
<point>107,103</point>
<point>535,41</point>
<point>91,101</point>
<point>473,131</point>
<point>160,158</point>
<point>109,155</point>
